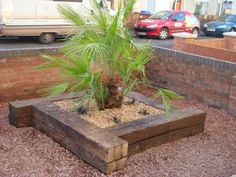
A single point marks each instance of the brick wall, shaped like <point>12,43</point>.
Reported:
<point>232,101</point>
<point>213,43</point>
<point>230,43</point>
<point>19,79</point>
<point>223,49</point>
<point>206,79</point>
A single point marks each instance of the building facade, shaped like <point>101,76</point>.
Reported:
<point>210,7</point>
<point>198,7</point>
<point>150,6</point>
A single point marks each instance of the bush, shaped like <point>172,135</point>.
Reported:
<point>102,57</point>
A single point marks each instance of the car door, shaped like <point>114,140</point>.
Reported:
<point>178,22</point>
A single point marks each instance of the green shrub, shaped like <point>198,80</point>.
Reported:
<point>102,57</point>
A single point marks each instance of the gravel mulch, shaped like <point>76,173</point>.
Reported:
<point>105,118</point>
<point>27,152</point>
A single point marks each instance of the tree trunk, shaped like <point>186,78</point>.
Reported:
<point>114,97</point>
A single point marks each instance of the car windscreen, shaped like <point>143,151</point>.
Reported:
<point>163,15</point>
<point>222,18</point>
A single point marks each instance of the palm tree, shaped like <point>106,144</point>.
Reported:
<point>101,59</point>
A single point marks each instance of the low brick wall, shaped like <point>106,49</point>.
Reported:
<point>232,98</point>
<point>230,44</point>
<point>223,49</point>
<point>203,78</point>
<point>206,79</point>
<point>19,79</point>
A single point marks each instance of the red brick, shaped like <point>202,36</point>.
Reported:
<point>21,80</point>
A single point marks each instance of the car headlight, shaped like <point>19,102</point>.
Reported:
<point>205,25</point>
<point>152,26</point>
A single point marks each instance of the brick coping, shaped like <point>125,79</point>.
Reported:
<point>195,58</point>
<point>8,53</point>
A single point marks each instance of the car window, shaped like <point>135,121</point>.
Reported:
<point>231,18</point>
<point>179,17</point>
<point>222,18</point>
<point>194,19</point>
<point>163,15</point>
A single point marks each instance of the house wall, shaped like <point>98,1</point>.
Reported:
<point>234,7</point>
<point>214,6</point>
<point>148,5</point>
<point>211,9</point>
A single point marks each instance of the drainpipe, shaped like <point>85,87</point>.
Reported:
<point>175,2</point>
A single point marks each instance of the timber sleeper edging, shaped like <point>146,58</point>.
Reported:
<point>106,149</point>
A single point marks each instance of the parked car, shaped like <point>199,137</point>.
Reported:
<point>224,23</point>
<point>164,23</point>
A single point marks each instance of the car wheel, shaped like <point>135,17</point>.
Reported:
<point>164,33</point>
<point>46,38</point>
<point>232,30</point>
<point>195,32</point>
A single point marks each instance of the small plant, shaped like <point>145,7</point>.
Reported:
<point>101,59</point>
<point>167,96</point>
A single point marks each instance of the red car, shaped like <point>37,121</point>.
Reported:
<point>163,24</point>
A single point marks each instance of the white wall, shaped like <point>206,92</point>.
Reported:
<point>163,5</point>
<point>212,9</point>
<point>159,5</point>
<point>140,5</point>
<point>234,7</point>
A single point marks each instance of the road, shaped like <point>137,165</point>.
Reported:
<point>15,43</point>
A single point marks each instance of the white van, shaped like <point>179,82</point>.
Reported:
<point>36,18</point>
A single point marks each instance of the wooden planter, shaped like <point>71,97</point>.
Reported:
<point>106,149</point>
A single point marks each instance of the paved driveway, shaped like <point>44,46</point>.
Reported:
<point>15,43</point>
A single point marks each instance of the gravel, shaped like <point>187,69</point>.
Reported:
<point>26,152</point>
<point>104,119</point>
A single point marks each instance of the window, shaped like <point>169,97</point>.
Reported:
<point>179,17</point>
<point>201,8</point>
<point>163,15</point>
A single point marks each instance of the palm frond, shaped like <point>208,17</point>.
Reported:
<point>106,43</point>
<point>167,96</point>
<point>128,9</point>
<point>71,15</point>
